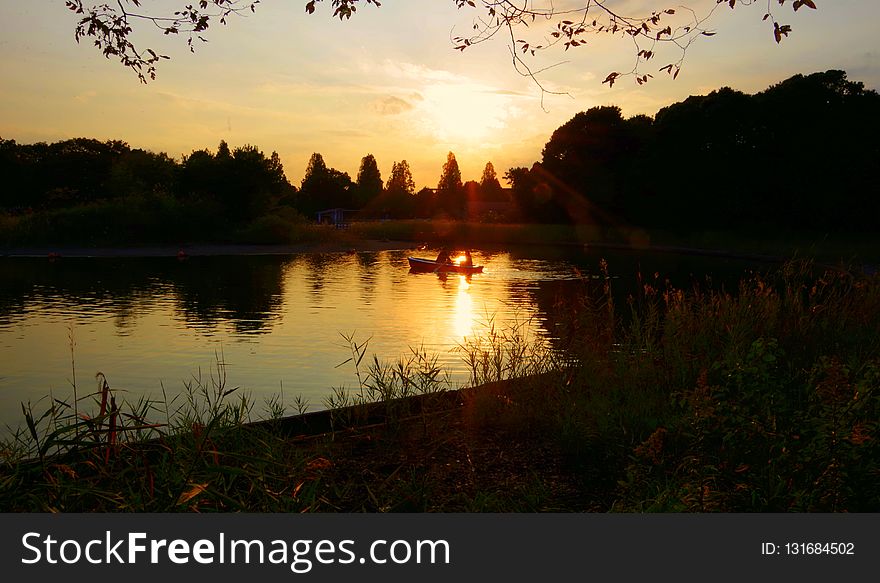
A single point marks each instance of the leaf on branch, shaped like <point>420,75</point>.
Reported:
<point>780,31</point>
<point>611,78</point>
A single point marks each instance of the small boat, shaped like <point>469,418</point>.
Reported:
<point>430,266</point>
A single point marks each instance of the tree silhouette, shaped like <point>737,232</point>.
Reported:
<point>254,181</point>
<point>800,156</point>
<point>450,191</point>
<point>533,195</point>
<point>425,201</point>
<point>590,155</point>
<point>112,28</point>
<point>240,183</point>
<point>397,199</point>
<point>490,188</point>
<point>140,172</point>
<point>450,177</point>
<point>401,180</point>
<point>223,152</point>
<point>61,174</point>
<point>197,174</point>
<point>324,187</point>
<point>369,181</point>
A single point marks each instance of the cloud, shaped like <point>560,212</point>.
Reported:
<point>391,105</point>
<point>311,89</point>
<point>86,96</point>
<point>405,71</point>
<point>508,92</point>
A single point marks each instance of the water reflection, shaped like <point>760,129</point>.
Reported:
<point>318,268</point>
<point>244,291</point>
<point>154,322</point>
<point>369,265</point>
<point>463,312</point>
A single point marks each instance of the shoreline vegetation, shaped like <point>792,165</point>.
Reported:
<point>764,399</point>
<point>853,250</point>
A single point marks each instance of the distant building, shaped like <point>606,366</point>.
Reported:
<point>338,217</point>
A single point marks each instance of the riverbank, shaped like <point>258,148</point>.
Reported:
<point>452,451</point>
<point>861,251</point>
<point>200,250</point>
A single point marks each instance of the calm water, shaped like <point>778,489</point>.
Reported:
<point>275,321</point>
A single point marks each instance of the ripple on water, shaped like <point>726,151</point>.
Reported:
<point>271,321</point>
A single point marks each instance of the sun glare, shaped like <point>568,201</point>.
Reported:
<point>463,319</point>
<point>464,112</point>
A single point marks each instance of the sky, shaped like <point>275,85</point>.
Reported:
<point>388,82</point>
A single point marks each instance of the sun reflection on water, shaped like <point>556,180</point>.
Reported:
<point>463,316</point>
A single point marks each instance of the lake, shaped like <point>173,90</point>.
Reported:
<point>276,322</point>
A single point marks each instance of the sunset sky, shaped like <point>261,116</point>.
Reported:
<point>387,82</point>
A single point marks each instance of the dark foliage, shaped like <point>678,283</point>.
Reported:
<point>369,181</point>
<point>799,156</point>
<point>450,190</point>
<point>241,182</point>
<point>324,188</point>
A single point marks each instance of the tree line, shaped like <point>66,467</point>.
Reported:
<point>238,184</point>
<point>800,155</point>
<point>324,187</point>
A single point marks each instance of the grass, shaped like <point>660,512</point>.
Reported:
<point>764,398</point>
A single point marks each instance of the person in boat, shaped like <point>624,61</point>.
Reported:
<point>468,260</point>
<point>460,259</point>
<point>444,257</point>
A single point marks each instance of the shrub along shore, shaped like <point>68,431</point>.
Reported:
<point>766,398</point>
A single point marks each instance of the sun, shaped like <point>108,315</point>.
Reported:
<point>464,112</point>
